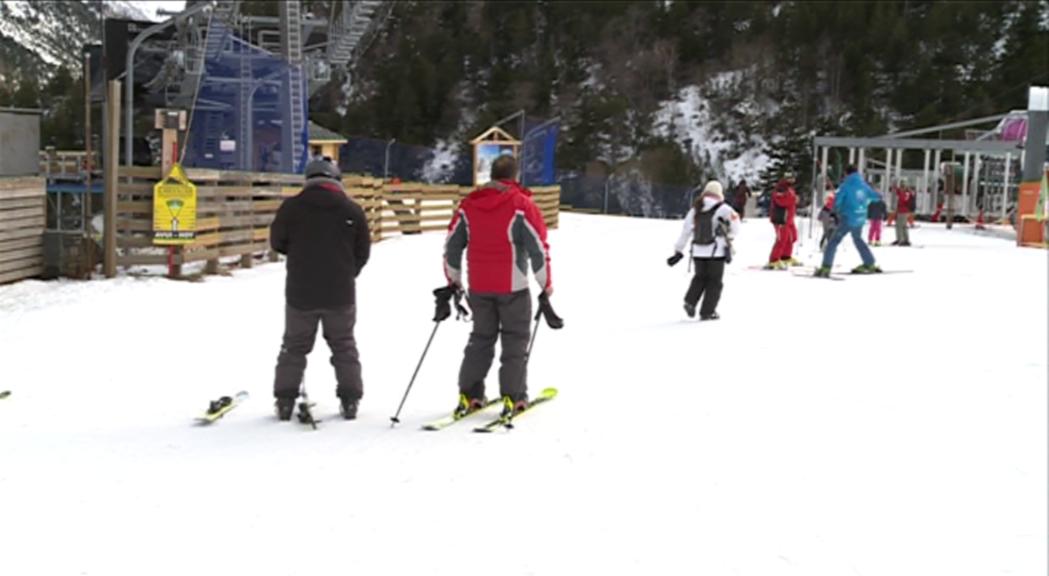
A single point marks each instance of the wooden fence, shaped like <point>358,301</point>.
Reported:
<point>64,163</point>
<point>235,209</point>
<point>23,216</point>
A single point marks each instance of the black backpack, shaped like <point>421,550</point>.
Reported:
<point>779,214</point>
<point>703,231</point>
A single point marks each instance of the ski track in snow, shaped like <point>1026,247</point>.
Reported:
<point>891,425</point>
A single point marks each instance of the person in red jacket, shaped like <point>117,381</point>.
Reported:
<point>501,230</point>
<point>903,209</point>
<point>782,210</point>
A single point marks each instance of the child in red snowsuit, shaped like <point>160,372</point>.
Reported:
<point>782,209</point>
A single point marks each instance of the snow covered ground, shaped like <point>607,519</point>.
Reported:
<point>879,426</point>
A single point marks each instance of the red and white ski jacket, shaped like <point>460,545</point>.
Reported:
<point>501,229</point>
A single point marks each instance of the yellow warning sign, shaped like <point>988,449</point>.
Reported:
<point>174,209</point>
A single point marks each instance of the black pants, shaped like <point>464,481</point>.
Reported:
<point>505,317</point>
<point>300,332</point>
<point>706,283</point>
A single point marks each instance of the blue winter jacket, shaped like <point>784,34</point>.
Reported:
<point>852,199</point>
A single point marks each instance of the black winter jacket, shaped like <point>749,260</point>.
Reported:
<point>877,210</point>
<point>325,236</point>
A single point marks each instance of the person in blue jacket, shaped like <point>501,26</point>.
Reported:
<point>850,204</point>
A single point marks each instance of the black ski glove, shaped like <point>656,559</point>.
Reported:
<point>547,312</point>
<point>443,306</point>
<point>675,258</point>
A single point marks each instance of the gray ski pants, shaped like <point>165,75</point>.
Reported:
<point>497,316</point>
<point>902,234</point>
<point>300,332</point>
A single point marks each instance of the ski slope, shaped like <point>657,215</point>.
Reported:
<point>880,426</point>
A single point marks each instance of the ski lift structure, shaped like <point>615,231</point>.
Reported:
<point>964,177</point>
<point>246,79</point>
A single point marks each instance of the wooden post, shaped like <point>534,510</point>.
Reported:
<point>112,135</point>
<point>169,122</point>
<point>88,241</point>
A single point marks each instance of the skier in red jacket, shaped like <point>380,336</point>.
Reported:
<point>782,210</point>
<point>501,230</point>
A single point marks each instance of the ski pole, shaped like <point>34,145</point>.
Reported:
<point>395,420</point>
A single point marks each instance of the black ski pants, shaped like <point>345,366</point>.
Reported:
<point>505,317</point>
<point>706,283</point>
<point>300,332</point>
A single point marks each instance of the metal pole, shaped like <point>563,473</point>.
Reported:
<point>852,155</point>
<point>937,171</point>
<point>1005,185</point>
<point>887,174</point>
<point>511,117</point>
<point>863,162</point>
<point>815,156</point>
<point>977,167</point>
<point>386,162</point>
<point>925,183</point>
<point>129,129</point>
<point>607,179</point>
<point>965,186</point>
<point>899,165</point>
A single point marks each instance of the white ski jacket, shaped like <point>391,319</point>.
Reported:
<point>719,248</point>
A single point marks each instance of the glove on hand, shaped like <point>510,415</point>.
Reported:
<point>443,307</point>
<point>547,312</point>
<point>675,258</point>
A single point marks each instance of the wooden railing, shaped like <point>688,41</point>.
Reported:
<point>23,215</point>
<point>235,209</point>
<point>64,163</point>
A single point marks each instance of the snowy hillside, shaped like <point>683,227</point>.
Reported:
<point>889,425</point>
<point>45,35</point>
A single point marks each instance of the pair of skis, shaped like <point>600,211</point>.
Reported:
<point>505,422</point>
<point>838,275</point>
<point>224,405</point>
<point>219,408</point>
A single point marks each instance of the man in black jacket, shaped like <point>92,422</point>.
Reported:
<point>325,237</point>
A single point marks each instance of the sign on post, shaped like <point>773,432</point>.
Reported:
<point>490,145</point>
<point>174,209</point>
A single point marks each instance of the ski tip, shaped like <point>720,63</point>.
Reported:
<point>548,393</point>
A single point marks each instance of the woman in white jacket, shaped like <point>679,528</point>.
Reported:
<point>710,226</point>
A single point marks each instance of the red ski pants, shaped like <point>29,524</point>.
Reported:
<point>783,249</point>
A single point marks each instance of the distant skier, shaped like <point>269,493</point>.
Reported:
<point>782,208</point>
<point>828,219</point>
<point>501,229</point>
<point>903,210</point>
<point>740,198</point>
<point>850,203</point>
<point>325,236</point>
<point>710,225</point>
<point>875,214</point>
